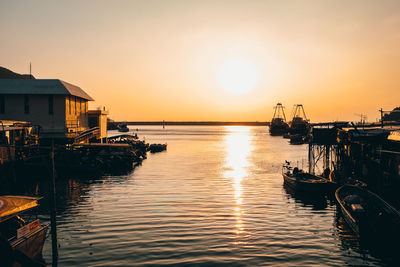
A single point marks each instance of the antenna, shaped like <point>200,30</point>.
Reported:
<point>363,117</point>
<point>30,70</point>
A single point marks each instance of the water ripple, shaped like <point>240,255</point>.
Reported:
<point>215,197</point>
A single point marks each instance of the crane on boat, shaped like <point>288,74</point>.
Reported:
<point>278,124</point>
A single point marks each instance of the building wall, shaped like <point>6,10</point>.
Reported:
<point>76,114</point>
<point>38,111</point>
<point>98,118</point>
<point>103,125</point>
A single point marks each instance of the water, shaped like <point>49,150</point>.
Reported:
<point>215,197</point>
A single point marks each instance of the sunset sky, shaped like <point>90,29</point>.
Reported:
<point>190,60</point>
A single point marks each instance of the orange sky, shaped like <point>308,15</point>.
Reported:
<point>159,60</point>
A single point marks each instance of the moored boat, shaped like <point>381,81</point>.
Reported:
<point>299,124</point>
<point>278,124</point>
<point>122,127</point>
<point>306,182</point>
<point>153,148</point>
<point>367,214</point>
<point>23,235</point>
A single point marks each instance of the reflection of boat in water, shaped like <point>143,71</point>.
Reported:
<point>297,139</point>
<point>367,214</point>
<point>122,127</point>
<point>299,124</point>
<point>278,124</point>
<point>346,235</point>
<point>306,182</point>
<point>317,202</point>
<point>23,235</point>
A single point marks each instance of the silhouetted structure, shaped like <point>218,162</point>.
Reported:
<point>392,116</point>
<point>299,124</point>
<point>60,108</point>
<point>278,124</point>
<point>370,154</point>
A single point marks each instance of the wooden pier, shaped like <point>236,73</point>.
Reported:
<point>368,153</point>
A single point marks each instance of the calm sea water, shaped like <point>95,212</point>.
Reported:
<point>215,197</point>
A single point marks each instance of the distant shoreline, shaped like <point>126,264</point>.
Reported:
<point>221,123</point>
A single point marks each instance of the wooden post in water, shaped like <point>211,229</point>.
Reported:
<point>327,159</point>
<point>310,159</point>
<point>53,208</point>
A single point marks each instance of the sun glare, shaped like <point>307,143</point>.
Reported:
<point>238,77</point>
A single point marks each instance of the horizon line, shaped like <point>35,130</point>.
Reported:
<point>246,123</point>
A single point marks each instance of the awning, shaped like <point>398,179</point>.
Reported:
<point>13,205</point>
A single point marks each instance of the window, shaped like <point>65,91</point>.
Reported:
<point>51,105</point>
<point>2,105</point>
<point>26,104</point>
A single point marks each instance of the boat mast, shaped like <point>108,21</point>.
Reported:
<point>297,112</point>
<point>278,110</point>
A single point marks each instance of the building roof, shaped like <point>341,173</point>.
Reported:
<point>98,112</point>
<point>41,87</point>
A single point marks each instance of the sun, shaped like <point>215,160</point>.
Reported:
<point>238,77</point>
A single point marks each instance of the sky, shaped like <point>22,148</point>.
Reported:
<point>166,60</point>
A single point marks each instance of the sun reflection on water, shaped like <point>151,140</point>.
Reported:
<point>238,148</point>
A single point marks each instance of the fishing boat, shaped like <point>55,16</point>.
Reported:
<point>367,214</point>
<point>23,234</point>
<point>305,182</point>
<point>122,127</point>
<point>123,138</point>
<point>299,124</point>
<point>278,124</point>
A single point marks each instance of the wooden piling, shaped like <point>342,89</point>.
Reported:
<point>53,212</point>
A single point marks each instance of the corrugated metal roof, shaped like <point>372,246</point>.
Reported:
<point>41,87</point>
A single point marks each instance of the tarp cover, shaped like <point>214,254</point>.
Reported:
<point>10,205</point>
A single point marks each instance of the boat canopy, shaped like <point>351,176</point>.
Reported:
<point>11,206</point>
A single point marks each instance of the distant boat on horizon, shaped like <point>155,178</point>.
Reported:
<point>122,127</point>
